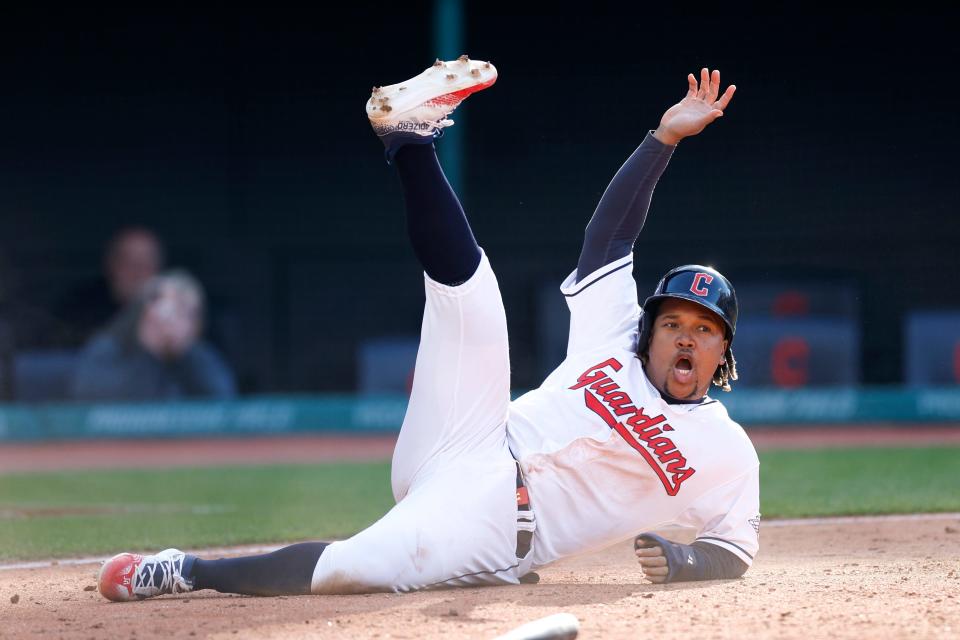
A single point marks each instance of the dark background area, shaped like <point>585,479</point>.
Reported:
<point>240,136</point>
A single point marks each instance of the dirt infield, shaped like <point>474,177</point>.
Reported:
<point>856,578</point>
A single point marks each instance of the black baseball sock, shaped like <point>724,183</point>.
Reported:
<point>437,226</point>
<point>285,572</point>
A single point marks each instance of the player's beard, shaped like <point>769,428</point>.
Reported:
<point>693,395</point>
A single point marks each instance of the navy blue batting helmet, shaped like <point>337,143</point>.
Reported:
<point>704,285</point>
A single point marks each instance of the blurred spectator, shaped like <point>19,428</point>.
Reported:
<point>153,350</point>
<point>132,257</point>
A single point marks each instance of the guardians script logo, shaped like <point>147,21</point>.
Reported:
<point>605,398</point>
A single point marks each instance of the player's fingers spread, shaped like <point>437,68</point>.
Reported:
<point>726,97</point>
<point>714,85</point>
<point>704,83</point>
<point>691,85</point>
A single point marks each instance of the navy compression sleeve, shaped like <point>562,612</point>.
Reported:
<point>622,210</point>
<point>697,561</point>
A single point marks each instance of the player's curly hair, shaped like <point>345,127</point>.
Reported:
<point>727,371</point>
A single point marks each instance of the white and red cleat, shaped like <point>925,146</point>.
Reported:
<point>130,576</point>
<point>416,110</point>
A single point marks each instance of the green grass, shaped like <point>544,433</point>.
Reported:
<point>833,482</point>
<point>150,510</point>
<point>46,515</point>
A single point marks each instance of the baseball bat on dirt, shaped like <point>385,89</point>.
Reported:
<point>559,626</point>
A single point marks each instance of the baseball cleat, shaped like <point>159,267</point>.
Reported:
<point>415,111</point>
<point>129,576</point>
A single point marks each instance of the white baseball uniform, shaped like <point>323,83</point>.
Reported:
<point>603,456</point>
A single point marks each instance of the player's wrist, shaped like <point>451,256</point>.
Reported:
<point>666,137</point>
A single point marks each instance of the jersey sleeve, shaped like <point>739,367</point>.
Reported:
<point>729,516</point>
<point>603,308</point>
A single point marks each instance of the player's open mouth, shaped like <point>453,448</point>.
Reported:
<point>683,370</point>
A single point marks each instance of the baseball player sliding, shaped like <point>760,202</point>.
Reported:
<point>621,438</point>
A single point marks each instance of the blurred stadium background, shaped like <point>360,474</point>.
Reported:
<point>828,194</point>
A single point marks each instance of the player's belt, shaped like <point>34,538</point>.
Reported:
<point>524,537</point>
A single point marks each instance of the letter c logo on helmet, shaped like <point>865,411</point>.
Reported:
<point>698,281</point>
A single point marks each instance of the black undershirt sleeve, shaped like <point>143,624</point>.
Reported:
<point>697,561</point>
<point>622,210</point>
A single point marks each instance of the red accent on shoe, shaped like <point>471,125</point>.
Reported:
<point>456,97</point>
<point>115,580</point>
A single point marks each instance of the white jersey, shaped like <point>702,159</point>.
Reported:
<point>605,457</point>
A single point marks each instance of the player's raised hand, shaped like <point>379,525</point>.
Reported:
<point>699,107</point>
<point>653,563</point>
